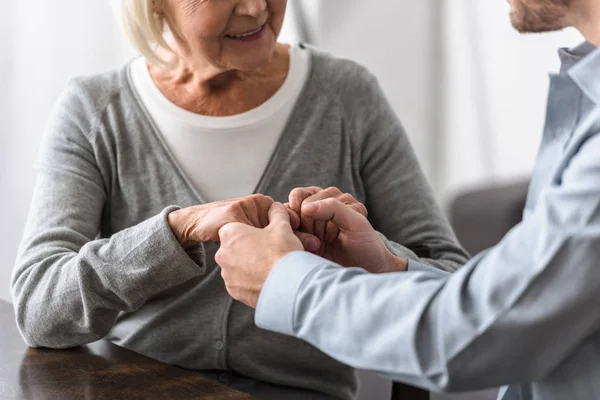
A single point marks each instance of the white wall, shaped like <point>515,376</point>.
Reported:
<point>397,41</point>
<point>469,89</point>
<point>6,252</point>
<point>48,43</point>
<point>496,83</point>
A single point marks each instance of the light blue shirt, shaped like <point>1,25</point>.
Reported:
<point>525,313</point>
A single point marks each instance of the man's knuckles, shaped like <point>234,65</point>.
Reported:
<point>228,232</point>
<point>333,191</point>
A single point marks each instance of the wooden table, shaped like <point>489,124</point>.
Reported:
<point>100,370</point>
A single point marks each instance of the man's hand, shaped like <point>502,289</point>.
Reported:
<point>356,244</point>
<point>247,254</point>
<point>326,231</point>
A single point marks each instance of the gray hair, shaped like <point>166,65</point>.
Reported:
<point>144,27</point>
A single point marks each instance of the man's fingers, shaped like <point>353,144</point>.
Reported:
<point>331,192</point>
<point>328,232</point>
<point>331,232</point>
<point>359,208</point>
<point>278,214</point>
<point>320,227</point>
<point>294,217</point>
<point>310,224</point>
<point>345,198</point>
<point>356,205</point>
<point>324,229</point>
<point>307,224</point>
<point>309,242</point>
<point>335,211</point>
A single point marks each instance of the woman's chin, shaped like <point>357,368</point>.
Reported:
<point>249,55</point>
<point>254,65</point>
<point>253,61</point>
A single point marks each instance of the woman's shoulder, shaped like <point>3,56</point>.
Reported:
<point>100,86</point>
<point>85,99</point>
<point>97,89</point>
<point>351,86</point>
<point>343,73</point>
<point>351,83</point>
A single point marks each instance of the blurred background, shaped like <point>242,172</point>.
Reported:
<point>470,91</point>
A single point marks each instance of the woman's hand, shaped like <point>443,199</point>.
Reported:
<point>201,223</point>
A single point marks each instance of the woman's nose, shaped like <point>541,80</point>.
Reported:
<point>252,8</point>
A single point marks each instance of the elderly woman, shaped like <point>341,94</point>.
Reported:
<point>136,166</point>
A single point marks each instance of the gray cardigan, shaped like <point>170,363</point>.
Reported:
<point>98,259</point>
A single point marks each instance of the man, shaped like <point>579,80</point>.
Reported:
<point>523,314</point>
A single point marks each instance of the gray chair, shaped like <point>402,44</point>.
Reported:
<point>481,217</point>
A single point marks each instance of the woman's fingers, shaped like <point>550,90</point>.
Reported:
<point>263,204</point>
<point>256,209</point>
<point>298,195</point>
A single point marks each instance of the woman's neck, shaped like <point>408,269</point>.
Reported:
<point>214,92</point>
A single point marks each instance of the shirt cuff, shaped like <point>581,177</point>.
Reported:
<point>275,308</point>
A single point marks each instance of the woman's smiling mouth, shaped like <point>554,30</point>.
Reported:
<point>248,36</point>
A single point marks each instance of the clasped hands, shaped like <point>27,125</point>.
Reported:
<point>255,233</point>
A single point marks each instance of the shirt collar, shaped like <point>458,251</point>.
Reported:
<point>582,64</point>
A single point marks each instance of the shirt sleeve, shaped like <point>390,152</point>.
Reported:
<point>511,315</point>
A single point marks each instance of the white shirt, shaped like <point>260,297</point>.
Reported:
<point>223,157</point>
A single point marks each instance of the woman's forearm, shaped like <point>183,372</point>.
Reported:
<point>65,295</point>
